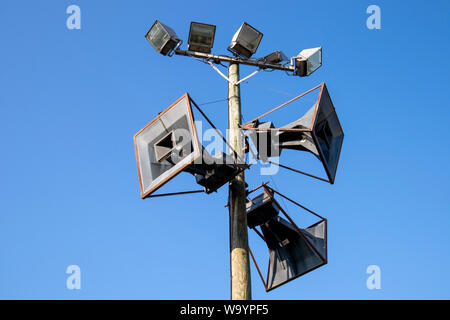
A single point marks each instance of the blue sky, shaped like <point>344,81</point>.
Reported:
<point>71,101</point>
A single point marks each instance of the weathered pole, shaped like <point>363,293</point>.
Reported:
<point>239,257</point>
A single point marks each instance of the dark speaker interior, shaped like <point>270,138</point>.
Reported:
<point>261,209</point>
<point>164,147</point>
<point>291,254</point>
<point>329,134</point>
<point>174,143</point>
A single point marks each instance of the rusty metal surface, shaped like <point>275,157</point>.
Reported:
<point>195,143</point>
<point>239,164</point>
<point>330,162</point>
<point>175,193</point>
<point>284,104</point>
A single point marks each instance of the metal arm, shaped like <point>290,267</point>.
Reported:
<point>217,58</point>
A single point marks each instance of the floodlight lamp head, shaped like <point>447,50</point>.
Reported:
<point>162,38</point>
<point>201,37</point>
<point>274,58</point>
<point>307,61</point>
<point>245,41</point>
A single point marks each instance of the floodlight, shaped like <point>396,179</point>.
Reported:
<point>308,61</point>
<point>201,37</point>
<point>245,41</point>
<point>169,145</point>
<point>318,131</point>
<point>293,251</point>
<point>162,38</point>
<point>274,57</point>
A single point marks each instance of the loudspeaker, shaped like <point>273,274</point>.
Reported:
<point>293,252</point>
<point>169,145</point>
<point>318,131</point>
<point>261,209</point>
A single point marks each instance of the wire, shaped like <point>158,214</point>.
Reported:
<point>271,177</point>
<point>223,65</point>
<point>212,102</point>
<point>304,98</point>
<point>204,60</point>
<point>282,199</point>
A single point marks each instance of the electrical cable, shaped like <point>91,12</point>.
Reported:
<point>214,101</point>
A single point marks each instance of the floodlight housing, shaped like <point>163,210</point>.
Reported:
<point>162,38</point>
<point>274,57</point>
<point>245,41</point>
<point>307,61</point>
<point>201,37</point>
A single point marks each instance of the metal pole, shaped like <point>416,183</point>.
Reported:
<point>239,256</point>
